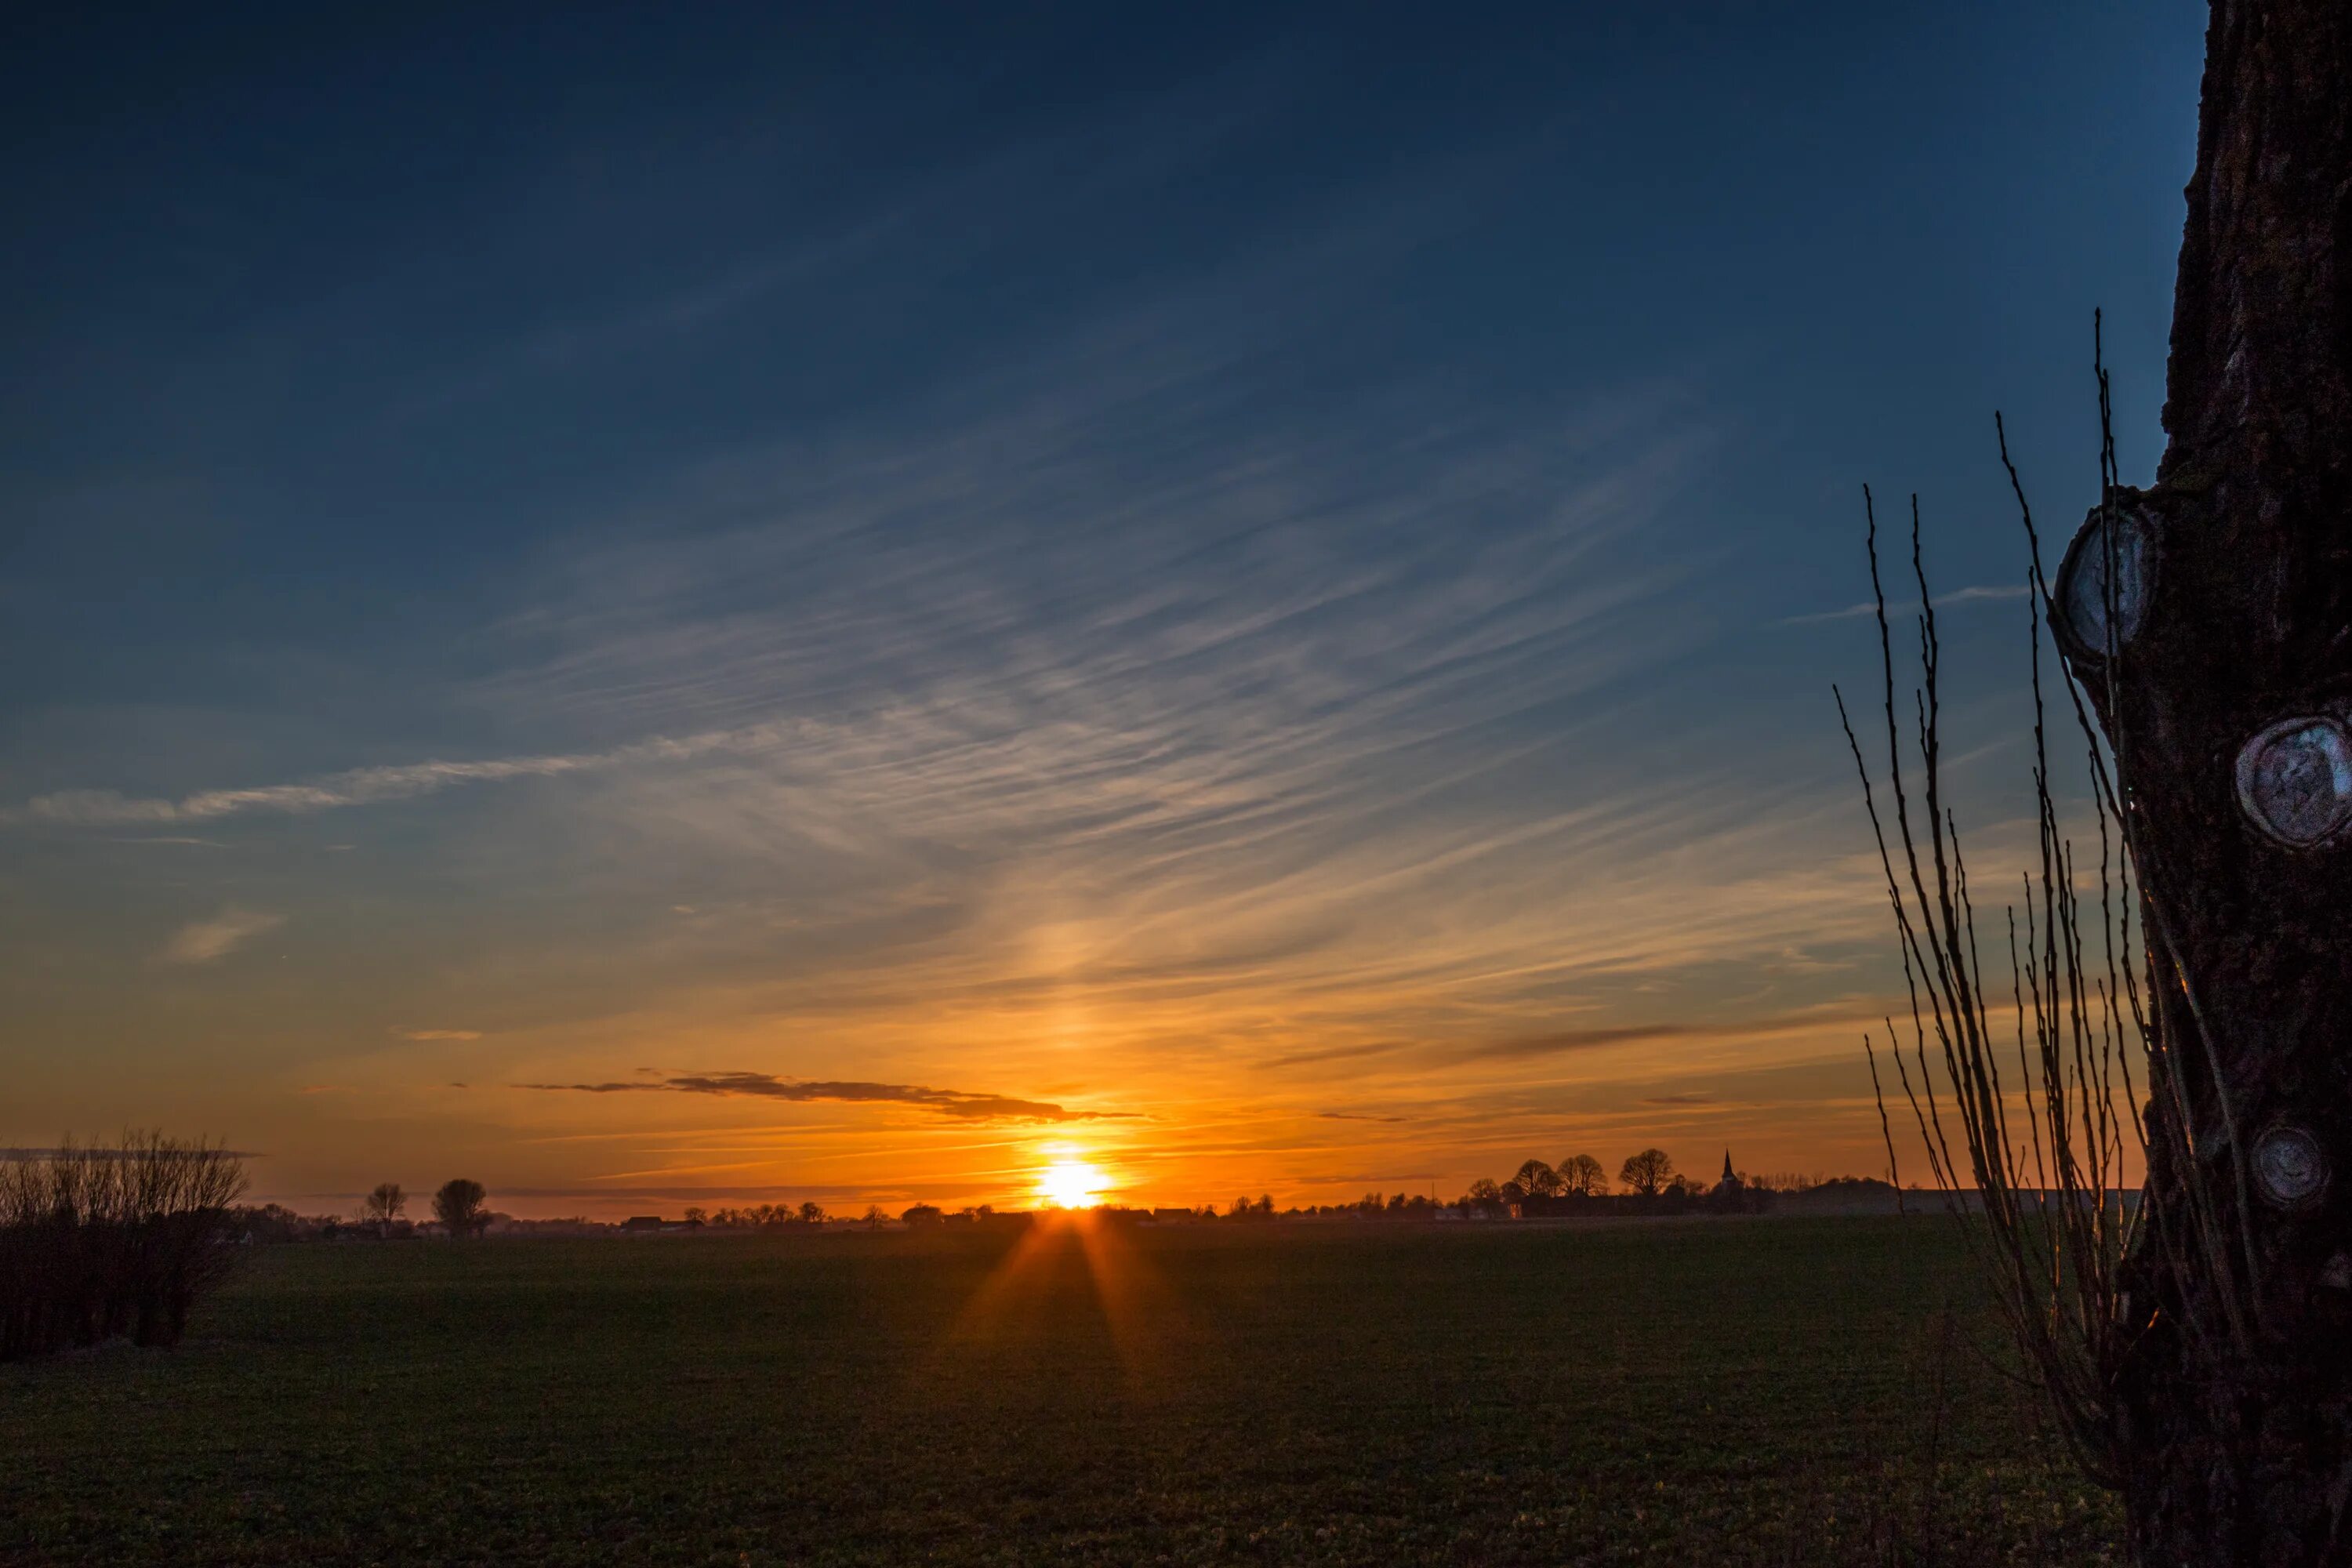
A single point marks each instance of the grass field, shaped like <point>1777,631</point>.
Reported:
<point>1706,1392</point>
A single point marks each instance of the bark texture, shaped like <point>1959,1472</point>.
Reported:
<point>2214,611</point>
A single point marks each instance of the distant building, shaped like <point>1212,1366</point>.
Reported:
<point>644,1222</point>
<point>1732,1196</point>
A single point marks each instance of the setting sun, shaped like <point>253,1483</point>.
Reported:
<point>1070,1184</point>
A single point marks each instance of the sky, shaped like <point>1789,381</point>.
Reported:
<point>767,604</point>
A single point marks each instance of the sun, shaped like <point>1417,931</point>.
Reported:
<point>1070,1183</point>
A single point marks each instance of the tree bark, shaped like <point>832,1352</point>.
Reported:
<point>2211,623</point>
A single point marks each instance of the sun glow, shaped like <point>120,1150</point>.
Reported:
<point>1070,1183</point>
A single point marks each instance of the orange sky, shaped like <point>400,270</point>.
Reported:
<point>1583,984</point>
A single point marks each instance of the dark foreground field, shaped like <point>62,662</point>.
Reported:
<point>1713,1392</point>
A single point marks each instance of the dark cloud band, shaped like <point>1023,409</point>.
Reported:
<point>954,1103</point>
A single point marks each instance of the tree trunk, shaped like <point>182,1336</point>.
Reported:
<point>2211,622</point>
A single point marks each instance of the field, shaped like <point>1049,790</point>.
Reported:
<point>1760,1391</point>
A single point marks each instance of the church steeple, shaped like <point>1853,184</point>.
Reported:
<point>1727,1176</point>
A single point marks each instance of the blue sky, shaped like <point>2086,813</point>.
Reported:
<point>1265,576</point>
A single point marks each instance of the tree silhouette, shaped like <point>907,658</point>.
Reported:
<point>1582,1174</point>
<point>2194,1343</point>
<point>384,1203</point>
<point>812,1213</point>
<point>458,1205</point>
<point>1535,1179</point>
<point>1647,1171</point>
<point>2206,618</point>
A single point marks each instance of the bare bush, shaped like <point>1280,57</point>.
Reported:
<point>99,1243</point>
<point>2044,1205</point>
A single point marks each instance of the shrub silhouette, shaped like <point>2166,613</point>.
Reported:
<point>103,1243</point>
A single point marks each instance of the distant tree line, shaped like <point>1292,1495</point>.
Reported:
<point>766,1216</point>
<point>1580,1184</point>
<point>923,1216</point>
<point>460,1208</point>
<point>1647,1183</point>
<point>101,1242</point>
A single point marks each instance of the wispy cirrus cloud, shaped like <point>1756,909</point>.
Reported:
<point>1086,715</point>
<point>1797,1021</point>
<point>205,941</point>
<point>1536,1044</point>
<point>1977,595</point>
<point>1223,680</point>
<point>955,1104</point>
<point>357,786</point>
<point>1333,1054</point>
